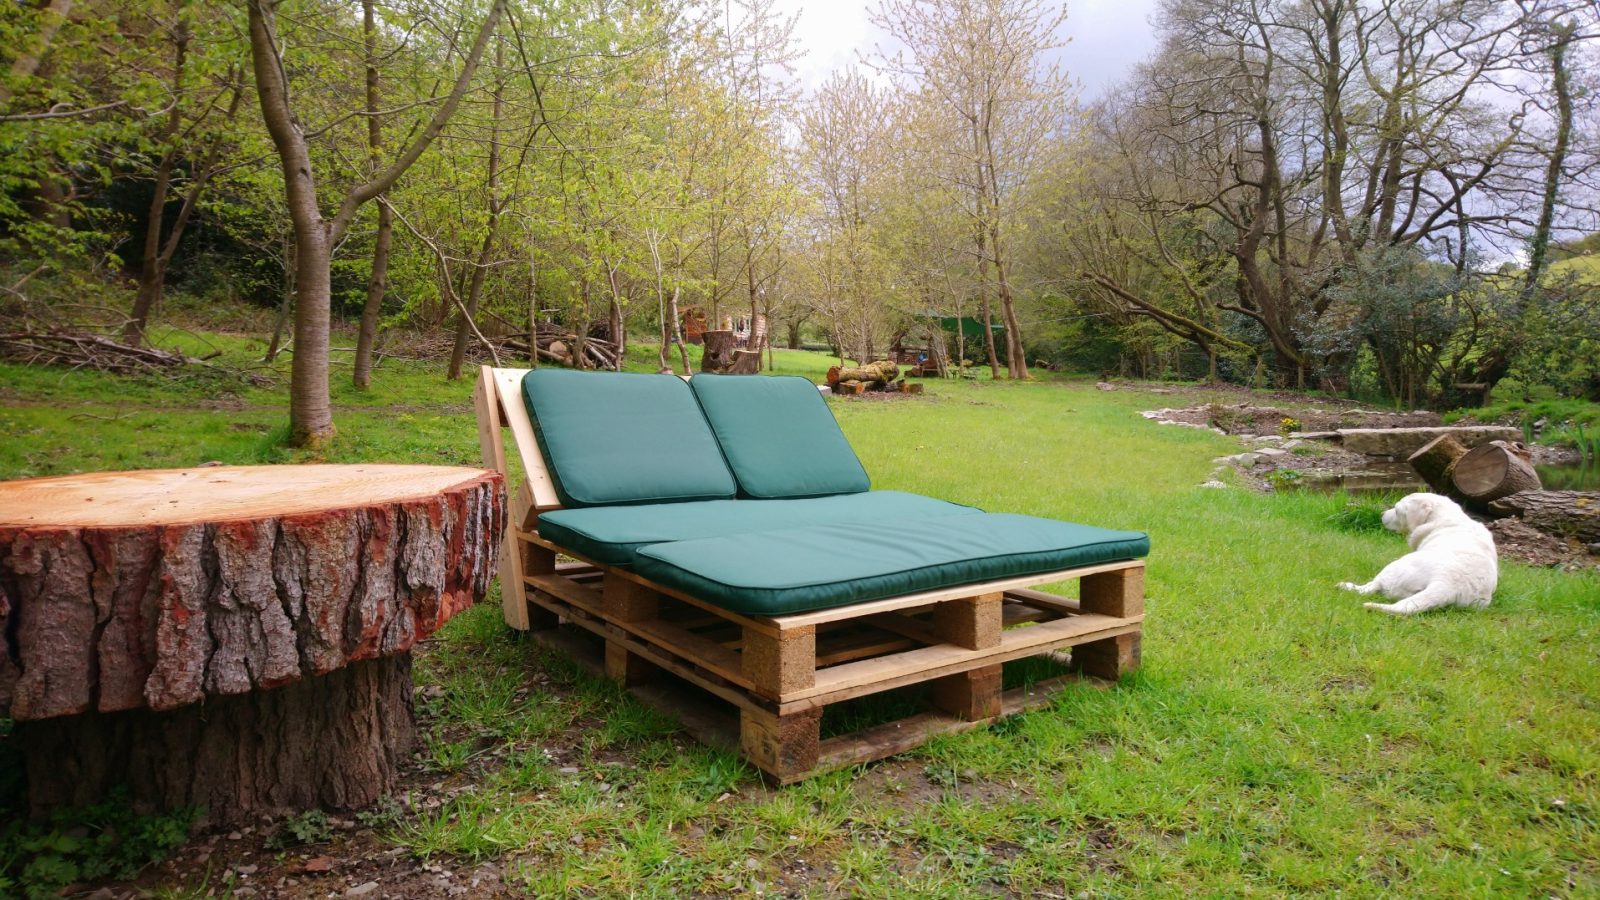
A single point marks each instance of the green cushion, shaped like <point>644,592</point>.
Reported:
<point>612,437</point>
<point>779,436</point>
<point>818,567</point>
<point>614,534</point>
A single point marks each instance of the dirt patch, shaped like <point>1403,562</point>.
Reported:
<point>1287,419</point>
<point>1516,539</point>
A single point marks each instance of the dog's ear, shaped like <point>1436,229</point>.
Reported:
<point>1423,507</point>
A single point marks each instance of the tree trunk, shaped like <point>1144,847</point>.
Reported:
<point>378,281</point>
<point>719,347</point>
<point>334,742</point>
<point>214,610</point>
<point>1566,513</point>
<point>480,269</point>
<point>1494,470</point>
<point>1436,460</point>
<point>377,289</point>
<point>27,61</point>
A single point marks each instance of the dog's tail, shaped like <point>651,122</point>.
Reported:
<point>1431,597</point>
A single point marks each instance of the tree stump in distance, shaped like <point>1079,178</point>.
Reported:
<point>1494,470</point>
<point>719,348</point>
<point>1435,461</point>
<point>153,609</point>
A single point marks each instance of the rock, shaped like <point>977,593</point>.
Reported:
<point>1273,453</point>
<point>361,890</point>
<point>1267,439</point>
<point>1317,435</point>
<point>247,870</point>
<point>1400,443</point>
<point>1104,386</point>
<point>1243,460</point>
<point>319,864</point>
<point>1290,445</point>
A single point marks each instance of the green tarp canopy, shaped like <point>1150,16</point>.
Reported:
<point>970,327</point>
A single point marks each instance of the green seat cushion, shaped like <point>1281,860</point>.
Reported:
<point>779,436</point>
<point>613,437</point>
<point>614,534</point>
<point>772,573</point>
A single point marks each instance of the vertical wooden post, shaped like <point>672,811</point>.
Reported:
<point>973,623</point>
<point>783,746</point>
<point>532,559</point>
<point>625,600</point>
<point>1119,593</point>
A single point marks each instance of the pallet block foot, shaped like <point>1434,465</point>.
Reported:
<point>971,695</point>
<point>1119,593</point>
<point>784,747</point>
<point>779,663</point>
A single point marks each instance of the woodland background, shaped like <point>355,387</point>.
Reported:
<point>1392,199</point>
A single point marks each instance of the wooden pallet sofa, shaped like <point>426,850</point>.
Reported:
<point>725,546</point>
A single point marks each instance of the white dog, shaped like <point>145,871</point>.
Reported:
<point>1452,560</point>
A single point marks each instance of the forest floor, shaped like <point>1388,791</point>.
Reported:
<point>1278,739</point>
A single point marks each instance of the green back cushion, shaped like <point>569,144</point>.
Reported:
<point>611,437</point>
<point>779,436</point>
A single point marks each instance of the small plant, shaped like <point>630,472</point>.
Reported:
<point>309,827</point>
<point>1284,478</point>
<point>107,840</point>
<point>1359,518</point>
<point>1289,425</point>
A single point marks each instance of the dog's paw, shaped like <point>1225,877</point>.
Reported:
<point>1349,586</point>
<point>1392,609</point>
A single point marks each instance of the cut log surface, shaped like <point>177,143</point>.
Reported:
<point>1494,470</point>
<point>155,589</point>
<point>1437,460</point>
<point>1566,513</point>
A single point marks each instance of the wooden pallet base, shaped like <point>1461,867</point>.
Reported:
<point>715,723</point>
<point>774,678</point>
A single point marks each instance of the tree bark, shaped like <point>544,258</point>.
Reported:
<point>218,610</point>
<point>378,280</point>
<point>1436,460</point>
<point>310,405</point>
<point>334,742</point>
<point>1567,513</point>
<point>719,347</point>
<point>27,62</point>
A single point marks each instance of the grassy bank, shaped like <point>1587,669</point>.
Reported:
<point>1278,739</point>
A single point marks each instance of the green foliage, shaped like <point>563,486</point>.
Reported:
<point>309,827</point>
<point>107,840</point>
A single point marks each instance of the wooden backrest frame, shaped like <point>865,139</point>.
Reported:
<point>498,398</point>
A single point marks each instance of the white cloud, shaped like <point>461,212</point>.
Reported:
<point>1108,37</point>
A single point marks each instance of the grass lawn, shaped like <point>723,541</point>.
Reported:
<point>1279,738</point>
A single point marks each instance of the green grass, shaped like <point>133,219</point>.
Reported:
<point>1279,738</point>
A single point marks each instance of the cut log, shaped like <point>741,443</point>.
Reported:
<point>1437,460</point>
<point>155,590</point>
<point>1565,513</point>
<point>876,375</point>
<point>719,351</point>
<point>745,362</point>
<point>1494,470</point>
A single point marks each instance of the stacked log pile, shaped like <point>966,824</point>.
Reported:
<point>1498,479</point>
<point>83,350</point>
<point>881,375</point>
<point>558,345</point>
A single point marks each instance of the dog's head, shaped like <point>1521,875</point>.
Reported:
<point>1416,510</point>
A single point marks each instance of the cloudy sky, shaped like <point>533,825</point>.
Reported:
<point>1107,38</point>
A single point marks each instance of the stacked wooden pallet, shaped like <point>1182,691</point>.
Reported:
<point>762,684</point>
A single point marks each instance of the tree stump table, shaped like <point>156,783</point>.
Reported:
<point>232,638</point>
